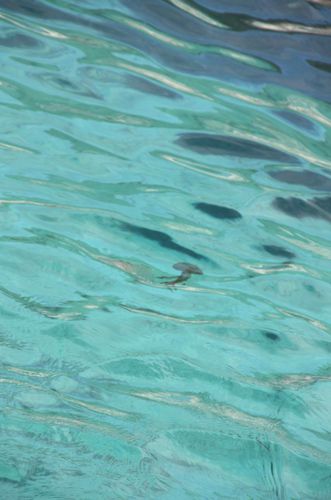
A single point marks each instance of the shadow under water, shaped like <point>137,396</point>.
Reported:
<point>163,239</point>
<point>208,144</point>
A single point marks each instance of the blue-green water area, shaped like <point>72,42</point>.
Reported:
<point>165,215</point>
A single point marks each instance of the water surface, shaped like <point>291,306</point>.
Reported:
<point>136,135</point>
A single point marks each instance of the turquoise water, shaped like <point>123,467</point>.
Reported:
<point>136,135</point>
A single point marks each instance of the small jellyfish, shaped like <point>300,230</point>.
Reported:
<point>187,271</point>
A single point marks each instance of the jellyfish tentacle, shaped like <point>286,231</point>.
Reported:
<point>186,272</point>
<point>167,277</point>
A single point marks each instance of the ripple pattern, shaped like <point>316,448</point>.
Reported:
<point>139,140</point>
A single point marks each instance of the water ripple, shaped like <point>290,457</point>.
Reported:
<point>145,139</point>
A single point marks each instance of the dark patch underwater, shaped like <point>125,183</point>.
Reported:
<point>163,239</point>
<point>306,178</point>
<point>271,336</point>
<point>319,208</point>
<point>208,144</point>
<point>278,251</point>
<point>217,211</point>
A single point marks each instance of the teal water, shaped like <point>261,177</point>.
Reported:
<point>138,135</point>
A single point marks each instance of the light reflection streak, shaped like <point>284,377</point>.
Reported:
<point>195,402</point>
<point>186,228</point>
<point>190,165</point>
<point>11,147</point>
<point>29,373</point>
<point>19,382</point>
<point>262,269</point>
<point>96,408</point>
<point>160,77</point>
<point>61,421</point>
<point>195,48</point>
<point>273,426</point>
<point>295,149</point>
<point>316,323</point>
<point>309,246</point>
<point>298,104</point>
<point>291,28</point>
<point>290,381</point>
<point>197,13</point>
<point>307,108</point>
<point>38,30</point>
<point>73,401</point>
<point>150,312</point>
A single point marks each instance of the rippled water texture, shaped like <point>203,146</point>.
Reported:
<point>138,135</point>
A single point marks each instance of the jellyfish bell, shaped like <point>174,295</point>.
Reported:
<point>187,268</point>
<point>186,271</point>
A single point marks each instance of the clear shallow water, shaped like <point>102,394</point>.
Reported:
<point>136,135</point>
